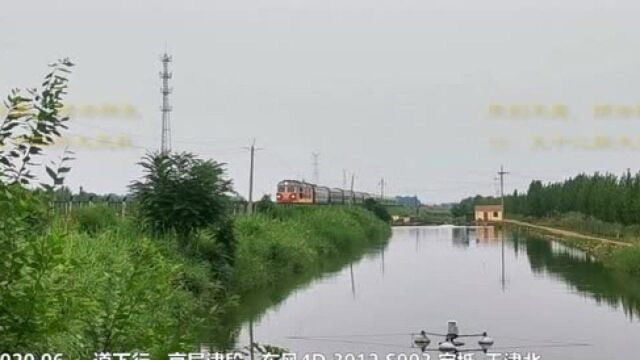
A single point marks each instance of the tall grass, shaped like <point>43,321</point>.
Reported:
<point>295,240</point>
<point>114,290</point>
<point>93,286</point>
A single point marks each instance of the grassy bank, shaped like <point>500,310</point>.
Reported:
<point>287,248</point>
<point>622,258</point>
<point>112,287</point>
<point>588,225</point>
<point>289,241</point>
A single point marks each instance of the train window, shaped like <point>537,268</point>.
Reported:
<point>280,188</point>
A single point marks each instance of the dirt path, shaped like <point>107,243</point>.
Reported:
<point>566,232</point>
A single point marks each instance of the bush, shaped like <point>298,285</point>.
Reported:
<point>93,219</point>
<point>265,205</point>
<point>627,260</point>
<point>181,193</point>
<point>216,245</point>
<point>378,209</point>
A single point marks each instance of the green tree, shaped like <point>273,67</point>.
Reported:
<point>30,265</point>
<point>265,204</point>
<point>378,209</point>
<point>181,193</point>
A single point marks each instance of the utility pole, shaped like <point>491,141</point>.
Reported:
<point>381,183</point>
<point>251,343</point>
<point>353,179</point>
<point>344,178</point>
<point>316,172</point>
<point>252,149</point>
<point>165,75</point>
<point>502,173</point>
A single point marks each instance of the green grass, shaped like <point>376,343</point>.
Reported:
<point>299,239</point>
<point>587,225</point>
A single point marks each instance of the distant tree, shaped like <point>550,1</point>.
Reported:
<point>378,209</point>
<point>606,197</point>
<point>181,193</point>
<point>265,204</point>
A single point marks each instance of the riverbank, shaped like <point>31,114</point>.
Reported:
<point>622,255</point>
<point>290,241</point>
<point>287,248</point>
<point>111,286</point>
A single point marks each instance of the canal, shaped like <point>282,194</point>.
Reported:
<point>530,294</point>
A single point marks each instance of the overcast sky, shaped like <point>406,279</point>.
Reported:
<point>400,89</point>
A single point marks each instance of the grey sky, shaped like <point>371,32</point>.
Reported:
<point>391,88</point>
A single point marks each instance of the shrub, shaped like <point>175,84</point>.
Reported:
<point>628,260</point>
<point>265,205</point>
<point>181,193</point>
<point>93,219</point>
<point>378,209</point>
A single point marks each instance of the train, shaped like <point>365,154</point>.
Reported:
<point>297,192</point>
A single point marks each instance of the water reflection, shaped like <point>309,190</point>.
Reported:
<point>253,305</point>
<point>586,276</point>
<point>504,272</point>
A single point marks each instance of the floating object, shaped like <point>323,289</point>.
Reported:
<point>485,342</point>
<point>447,347</point>
<point>422,340</point>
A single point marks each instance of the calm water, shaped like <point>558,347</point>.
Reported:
<point>543,297</point>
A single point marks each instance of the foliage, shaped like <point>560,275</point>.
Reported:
<point>379,210</point>
<point>627,260</point>
<point>181,193</point>
<point>33,121</point>
<point>265,204</point>
<point>297,239</point>
<point>30,261</point>
<point>93,219</point>
<point>610,198</point>
<point>216,245</point>
<point>23,263</point>
<point>110,290</point>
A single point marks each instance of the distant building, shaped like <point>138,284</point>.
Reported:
<point>409,201</point>
<point>488,213</point>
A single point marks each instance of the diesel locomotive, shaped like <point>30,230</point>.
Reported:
<point>301,192</point>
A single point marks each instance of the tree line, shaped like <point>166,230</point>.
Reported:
<point>607,197</point>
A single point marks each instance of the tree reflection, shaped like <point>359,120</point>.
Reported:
<point>586,276</point>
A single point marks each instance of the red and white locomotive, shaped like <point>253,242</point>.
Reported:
<point>301,192</point>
